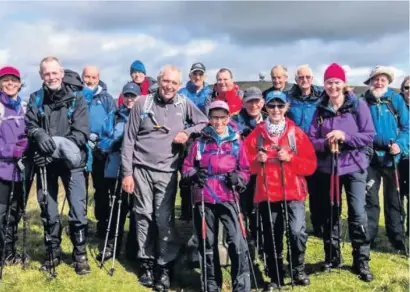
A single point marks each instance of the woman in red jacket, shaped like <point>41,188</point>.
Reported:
<point>278,147</point>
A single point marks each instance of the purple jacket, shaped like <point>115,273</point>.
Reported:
<point>217,158</point>
<point>13,140</point>
<point>354,119</point>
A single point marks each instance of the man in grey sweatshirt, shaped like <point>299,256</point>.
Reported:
<point>154,137</point>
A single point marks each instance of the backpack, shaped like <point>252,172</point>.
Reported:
<point>291,140</point>
<point>70,105</point>
<point>388,101</point>
<point>149,102</point>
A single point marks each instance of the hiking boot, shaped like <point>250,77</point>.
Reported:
<point>301,279</point>
<point>363,271</point>
<point>336,263</point>
<point>48,265</point>
<point>318,232</point>
<point>162,281</point>
<point>13,259</point>
<point>271,287</point>
<point>108,255</point>
<point>81,265</point>
<point>146,277</point>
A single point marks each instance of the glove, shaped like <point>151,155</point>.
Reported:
<point>45,143</point>
<point>232,179</point>
<point>40,160</point>
<point>200,178</point>
<point>92,140</point>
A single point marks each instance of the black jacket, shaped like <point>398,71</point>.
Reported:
<point>56,121</point>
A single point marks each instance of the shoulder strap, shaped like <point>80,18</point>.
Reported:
<point>390,106</point>
<point>71,108</point>
<point>149,101</point>
<point>2,112</point>
<point>39,101</point>
<point>182,103</point>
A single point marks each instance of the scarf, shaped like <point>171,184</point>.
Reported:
<point>275,129</point>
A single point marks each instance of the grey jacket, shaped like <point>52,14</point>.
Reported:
<point>153,148</point>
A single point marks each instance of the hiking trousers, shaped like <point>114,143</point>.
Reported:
<point>155,194</point>
<point>227,213</point>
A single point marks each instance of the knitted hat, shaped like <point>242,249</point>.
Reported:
<point>335,71</point>
<point>137,66</point>
<point>8,70</point>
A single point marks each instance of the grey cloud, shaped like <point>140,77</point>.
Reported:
<point>250,22</point>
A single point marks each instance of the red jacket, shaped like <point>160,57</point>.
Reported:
<point>302,163</point>
<point>144,86</point>
<point>232,97</point>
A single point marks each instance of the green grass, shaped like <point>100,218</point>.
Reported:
<point>391,271</point>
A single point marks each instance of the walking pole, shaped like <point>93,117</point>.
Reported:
<point>332,189</point>
<point>396,177</point>
<point>111,272</point>
<point>43,178</point>
<point>337,194</point>
<point>24,255</point>
<point>6,230</point>
<point>112,203</point>
<point>244,235</point>
<point>203,233</point>
<point>284,205</point>
<point>271,225</point>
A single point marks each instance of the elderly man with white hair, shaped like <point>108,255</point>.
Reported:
<point>391,120</point>
<point>151,157</point>
<point>279,76</point>
<point>304,98</point>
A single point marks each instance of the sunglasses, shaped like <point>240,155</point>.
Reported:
<point>199,73</point>
<point>406,87</point>
<point>273,105</point>
<point>304,77</point>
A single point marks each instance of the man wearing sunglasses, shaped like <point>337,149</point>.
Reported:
<point>304,98</point>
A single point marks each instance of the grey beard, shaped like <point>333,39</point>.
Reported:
<point>378,93</point>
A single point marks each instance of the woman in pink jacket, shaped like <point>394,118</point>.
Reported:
<point>218,168</point>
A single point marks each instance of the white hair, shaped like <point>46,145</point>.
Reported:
<point>49,60</point>
<point>304,67</point>
<point>280,67</point>
<point>169,68</point>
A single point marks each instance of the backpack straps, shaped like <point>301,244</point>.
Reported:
<point>70,109</point>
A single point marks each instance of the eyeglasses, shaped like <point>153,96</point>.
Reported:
<point>273,105</point>
<point>218,118</point>
<point>304,77</point>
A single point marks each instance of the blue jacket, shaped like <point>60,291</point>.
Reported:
<point>388,127</point>
<point>198,98</point>
<point>302,108</point>
<point>111,140</point>
<point>100,105</point>
<point>246,123</point>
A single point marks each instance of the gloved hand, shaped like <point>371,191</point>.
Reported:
<point>92,140</point>
<point>232,179</point>
<point>40,160</point>
<point>45,143</point>
<point>200,178</point>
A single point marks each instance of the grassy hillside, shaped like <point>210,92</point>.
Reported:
<point>391,271</point>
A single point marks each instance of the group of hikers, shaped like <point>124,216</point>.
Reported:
<point>244,158</point>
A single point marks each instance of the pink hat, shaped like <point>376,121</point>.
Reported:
<point>219,104</point>
<point>335,71</point>
<point>8,70</point>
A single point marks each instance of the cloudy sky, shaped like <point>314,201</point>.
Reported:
<point>248,37</point>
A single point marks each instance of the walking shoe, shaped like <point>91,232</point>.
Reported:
<point>334,264</point>
<point>363,271</point>
<point>162,281</point>
<point>301,279</point>
<point>146,275</point>
<point>13,259</point>
<point>271,287</point>
<point>108,255</point>
<point>81,265</point>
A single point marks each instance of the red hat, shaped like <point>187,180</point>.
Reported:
<point>335,71</point>
<point>8,70</point>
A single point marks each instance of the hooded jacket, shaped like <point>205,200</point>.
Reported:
<point>55,122</point>
<point>12,136</point>
<point>232,97</point>
<point>388,127</point>
<point>302,108</point>
<point>111,140</point>
<point>358,129</point>
<point>218,160</point>
<point>198,98</point>
<point>301,164</point>
<point>100,105</point>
